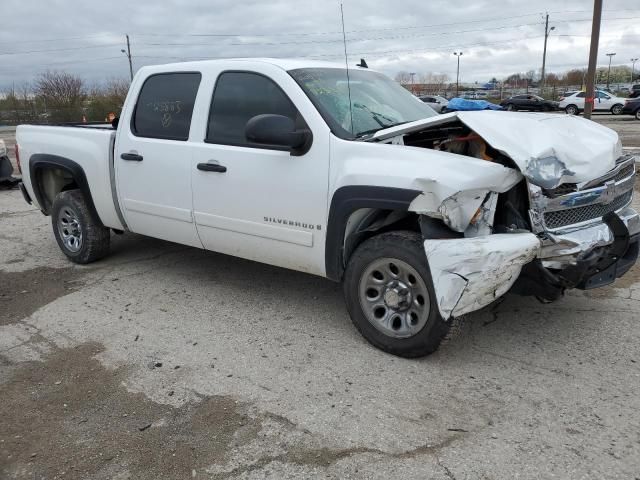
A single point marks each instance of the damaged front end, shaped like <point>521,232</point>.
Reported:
<point>540,225</point>
<point>588,230</point>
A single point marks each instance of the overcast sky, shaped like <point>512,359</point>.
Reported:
<point>496,38</point>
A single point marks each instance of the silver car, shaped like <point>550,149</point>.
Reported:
<point>438,103</point>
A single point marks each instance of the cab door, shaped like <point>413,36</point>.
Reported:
<point>153,158</point>
<point>259,201</point>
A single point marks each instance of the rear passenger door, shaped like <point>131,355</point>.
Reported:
<point>153,158</point>
<point>261,202</point>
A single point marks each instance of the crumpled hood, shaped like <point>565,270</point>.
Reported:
<point>549,149</point>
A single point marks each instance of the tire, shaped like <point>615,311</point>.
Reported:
<point>78,235</point>
<point>511,107</point>
<point>616,109</point>
<point>411,325</point>
<point>638,114</point>
<point>571,110</point>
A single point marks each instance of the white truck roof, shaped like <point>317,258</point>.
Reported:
<point>283,63</point>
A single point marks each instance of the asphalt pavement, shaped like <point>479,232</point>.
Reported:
<point>164,361</point>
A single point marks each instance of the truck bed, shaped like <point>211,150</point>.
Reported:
<point>88,145</point>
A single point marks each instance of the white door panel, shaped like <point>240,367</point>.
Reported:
<point>268,205</point>
<point>154,188</point>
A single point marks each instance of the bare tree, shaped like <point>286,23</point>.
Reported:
<point>403,78</point>
<point>63,93</point>
<point>107,98</point>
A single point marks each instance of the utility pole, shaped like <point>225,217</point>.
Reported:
<point>547,31</point>
<point>633,68</point>
<point>458,54</point>
<point>413,89</point>
<point>610,55</point>
<point>593,58</point>
<point>127,52</point>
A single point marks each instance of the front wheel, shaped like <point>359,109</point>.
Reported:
<point>571,110</point>
<point>511,107</point>
<point>638,114</point>
<point>390,296</point>
<point>616,109</point>
<point>79,236</point>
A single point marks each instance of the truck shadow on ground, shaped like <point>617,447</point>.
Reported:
<point>509,324</point>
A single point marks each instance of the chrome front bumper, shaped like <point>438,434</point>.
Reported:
<point>563,249</point>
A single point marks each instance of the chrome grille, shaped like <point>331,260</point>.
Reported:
<point>570,216</point>
<point>624,173</point>
<point>561,189</point>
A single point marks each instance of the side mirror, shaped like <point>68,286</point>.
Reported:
<point>270,129</point>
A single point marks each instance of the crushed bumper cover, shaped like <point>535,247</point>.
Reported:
<point>470,273</point>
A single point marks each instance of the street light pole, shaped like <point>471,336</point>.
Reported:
<point>547,31</point>
<point>458,54</point>
<point>633,67</point>
<point>610,55</point>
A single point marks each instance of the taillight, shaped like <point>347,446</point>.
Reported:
<point>17,150</point>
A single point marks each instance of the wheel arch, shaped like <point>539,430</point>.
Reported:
<point>384,205</point>
<point>51,174</point>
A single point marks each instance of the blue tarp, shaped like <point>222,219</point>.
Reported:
<point>462,104</point>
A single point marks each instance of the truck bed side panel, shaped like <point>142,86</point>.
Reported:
<point>91,148</point>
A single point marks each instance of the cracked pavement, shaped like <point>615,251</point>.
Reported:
<point>163,361</point>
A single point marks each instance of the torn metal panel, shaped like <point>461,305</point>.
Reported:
<point>458,207</point>
<point>482,223</point>
<point>549,149</point>
<point>470,273</point>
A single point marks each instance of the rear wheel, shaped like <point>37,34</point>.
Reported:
<point>616,109</point>
<point>390,296</point>
<point>571,110</point>
<point>79,236</point>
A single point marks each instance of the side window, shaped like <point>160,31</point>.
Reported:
<point>603,95</point>
<point>165,105</point>
<point>239,96</point>
<point>580,95</point>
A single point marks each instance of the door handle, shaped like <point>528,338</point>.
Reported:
<point>212,167</point>
<point>132,157</point>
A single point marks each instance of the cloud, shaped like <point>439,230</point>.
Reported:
<point>86,37</point>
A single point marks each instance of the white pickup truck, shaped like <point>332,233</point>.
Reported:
<point>423,217</point>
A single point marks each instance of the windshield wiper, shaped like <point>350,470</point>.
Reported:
<point>376,115</point>
<point>374,130</point>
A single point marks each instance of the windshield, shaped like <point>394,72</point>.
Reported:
<point>377,102</point>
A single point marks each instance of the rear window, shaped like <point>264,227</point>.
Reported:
<point>165,105</point>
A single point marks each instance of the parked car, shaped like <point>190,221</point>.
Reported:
<point>574,103</point>
<point>422,217</point>
<point>634,91</point>
<point>529,102</point>
<point>7,180</point>
<point>632,107</point>
<point>438,103</point>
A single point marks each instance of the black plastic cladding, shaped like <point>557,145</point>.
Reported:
<point>347,200</point>
<point>40,162</point>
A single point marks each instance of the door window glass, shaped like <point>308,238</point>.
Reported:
<point>240,96</point>
<point>165,105</point>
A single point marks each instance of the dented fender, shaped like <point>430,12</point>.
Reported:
<point>470,273</point>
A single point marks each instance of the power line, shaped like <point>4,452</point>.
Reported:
<point>66,49</point>
<point>394,37</point>
<point>284,34</point>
